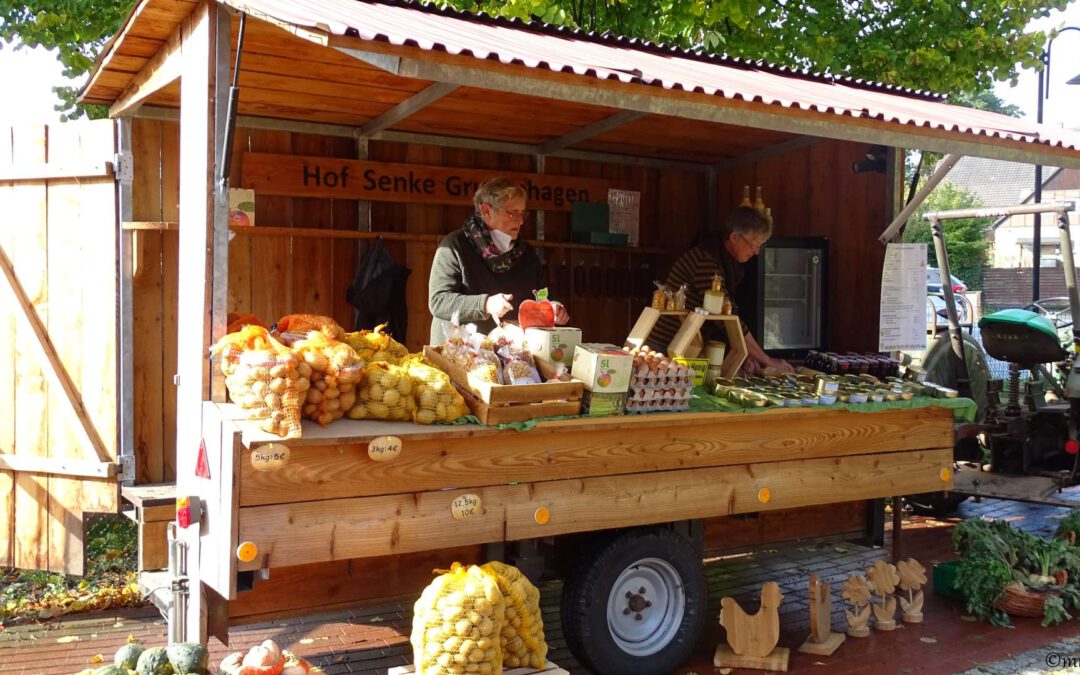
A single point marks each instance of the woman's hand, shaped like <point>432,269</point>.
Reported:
<point>781,365</point>
<point>498,304</point>
<point>562,317</point>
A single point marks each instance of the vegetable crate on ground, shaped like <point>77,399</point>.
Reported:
<point>495,404</point>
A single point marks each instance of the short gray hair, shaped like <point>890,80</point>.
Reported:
<point>747,220</point>
<point>496,192</point>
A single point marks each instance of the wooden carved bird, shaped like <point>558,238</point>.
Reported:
<point>753,635</point>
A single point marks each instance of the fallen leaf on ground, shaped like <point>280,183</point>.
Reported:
<point>97,658</point>
<point>839,549</point>
<point>306,641</point>
<point>967,617</point>
<point>929,641</point>
<point>68,638</point>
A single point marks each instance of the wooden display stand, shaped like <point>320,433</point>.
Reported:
<point>688,342</point>
<point>501,404</point>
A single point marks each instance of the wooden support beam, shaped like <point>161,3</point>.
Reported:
<point>790,145</point>
<point>57,466</point>
<point>621,118</point>
<point>324,530</point>
<point>50,360</point>
<point>406,108</point>
<point>160,71</point>
<point>40,172</point>
<point>151,226</point>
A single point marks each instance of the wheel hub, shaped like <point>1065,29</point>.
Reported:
<point>646,606</point>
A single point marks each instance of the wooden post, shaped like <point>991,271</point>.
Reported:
<point>203,228</point>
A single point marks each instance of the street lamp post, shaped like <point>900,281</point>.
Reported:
<point>1043,93</point>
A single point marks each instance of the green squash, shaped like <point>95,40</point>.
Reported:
<point>127,657</point>
<point>110,670</point>
<point>188,658</point>
<point>154,662</point>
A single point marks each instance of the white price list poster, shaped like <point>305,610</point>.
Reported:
<point>903,298</point>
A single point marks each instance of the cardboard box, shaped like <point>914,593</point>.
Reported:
<point>601,238</point>
<point>596,404</point>
<point>588,217</point>
<point>553,344</point>
<point>241,207</point>
<point>604,368</point>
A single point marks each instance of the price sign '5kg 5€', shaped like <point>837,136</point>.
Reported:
<point>270,457</point>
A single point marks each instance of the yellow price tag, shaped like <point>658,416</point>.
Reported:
<point>384,448</point>
<point>270,457</point>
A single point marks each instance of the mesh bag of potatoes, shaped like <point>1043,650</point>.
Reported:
<point>456,624</point>
<point>522,635</point>
<point>385,393</point>
<point>264,378</point>
<point>335,372</point>
<point>303,324</point>
<point>375,345</point>
<point>436,398</point>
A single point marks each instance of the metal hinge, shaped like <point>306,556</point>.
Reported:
<point>124,167</point>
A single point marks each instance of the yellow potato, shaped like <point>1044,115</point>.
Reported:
<point>425,416</point>
<point>404,386</point>
<point>428,399</point>
<point>357,412</point>
<point>314,396</point>
<point>462,627</point>
<point>378,410</point>
<point>452,644</point>
<point>273,401</point>
<point>279,370</point>
<point>476,655</point>
<point>304,370</point>
<point>376,392</point>
<point>486,626</point>
<point>391,397</point>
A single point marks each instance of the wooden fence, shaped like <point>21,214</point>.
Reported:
<point>58,348</point>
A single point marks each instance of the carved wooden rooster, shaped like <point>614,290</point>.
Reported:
<point>755,635</point>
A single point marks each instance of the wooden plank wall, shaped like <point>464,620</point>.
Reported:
<point>813,192</point>
<point>52,230</point>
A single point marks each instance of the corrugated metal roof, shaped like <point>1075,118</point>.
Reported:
<point>628,61</point>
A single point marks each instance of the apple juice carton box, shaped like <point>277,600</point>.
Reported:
<point>604,368</point>
<point>554,345</point>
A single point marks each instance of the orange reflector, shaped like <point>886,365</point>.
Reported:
<point>542,515</point>
<point>946,474</point>
<point>764,495</point>
<point>246,551</point>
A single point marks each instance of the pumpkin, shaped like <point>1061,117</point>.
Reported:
<point>262,659</point>
<point>110,670</point>
<point>188,658</point>
<point>127,657</point>
<point>533,314</point>
<point>154,662</point>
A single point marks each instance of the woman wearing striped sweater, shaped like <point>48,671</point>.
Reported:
<point>721,254</point>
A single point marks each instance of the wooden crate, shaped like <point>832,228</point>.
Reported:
<point>501,403</point>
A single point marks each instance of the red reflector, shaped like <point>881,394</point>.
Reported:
<point>1072,447</point>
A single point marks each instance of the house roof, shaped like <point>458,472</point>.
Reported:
<point>378,54</point>
<point>995,182</point>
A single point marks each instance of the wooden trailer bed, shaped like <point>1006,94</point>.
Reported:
<point>330,501</point>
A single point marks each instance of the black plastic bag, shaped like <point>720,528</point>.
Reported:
<point>378,292</point>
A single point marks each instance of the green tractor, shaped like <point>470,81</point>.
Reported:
<point>1023,444</point>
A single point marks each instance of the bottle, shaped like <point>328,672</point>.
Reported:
<point>745,196</point>
<point>759,203</point>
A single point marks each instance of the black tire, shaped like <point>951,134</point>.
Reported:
<point>935,504</point>
<point>652,554</point>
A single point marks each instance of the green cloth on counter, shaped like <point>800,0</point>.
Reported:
<point>963,409</point>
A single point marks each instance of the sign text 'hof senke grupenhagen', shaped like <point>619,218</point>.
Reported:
<point>298,176</point>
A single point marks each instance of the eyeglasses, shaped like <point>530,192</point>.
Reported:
<point>756,248</point>
<point>517,215</point>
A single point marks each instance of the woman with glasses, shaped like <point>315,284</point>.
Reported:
<point>484,271</point>
<point>723,254</point>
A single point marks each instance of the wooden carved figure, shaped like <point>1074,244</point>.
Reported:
<point>822,641</point>
<point>883,580</point>
<point>752,638</point>
<point>857,593</point>
<point>912,578</point>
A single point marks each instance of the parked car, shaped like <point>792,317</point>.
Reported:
<point>936,315</point>
<point>933,282</point>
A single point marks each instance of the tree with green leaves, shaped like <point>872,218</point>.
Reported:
<point>966,238</point>
<point>943,45</point>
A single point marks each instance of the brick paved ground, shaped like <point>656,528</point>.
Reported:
<point>371,639</point>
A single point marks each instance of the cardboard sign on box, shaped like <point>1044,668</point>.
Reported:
<point>604,368</point>
<point>553,344</point>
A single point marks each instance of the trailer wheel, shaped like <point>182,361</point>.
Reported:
<point>636,604</point>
